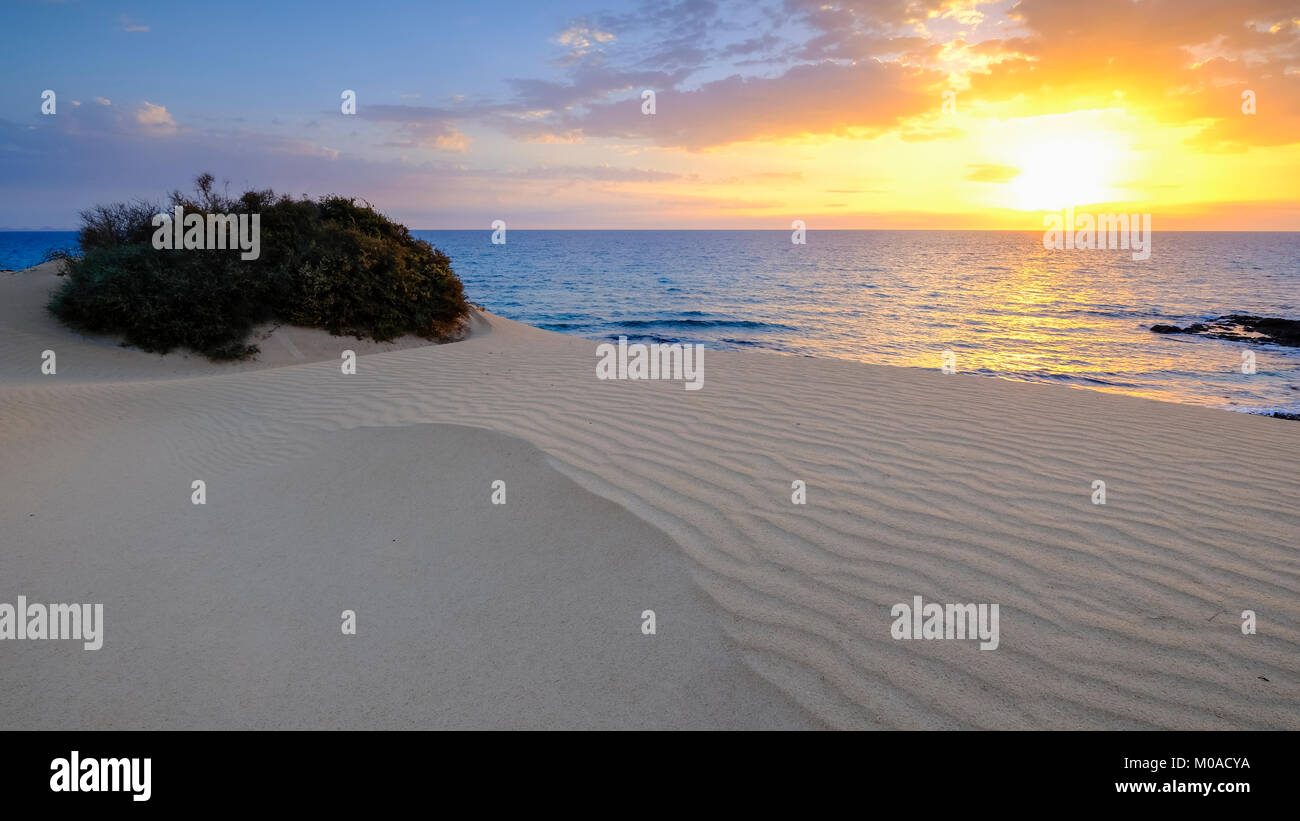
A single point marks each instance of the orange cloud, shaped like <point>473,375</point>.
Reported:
<point>818,100</point>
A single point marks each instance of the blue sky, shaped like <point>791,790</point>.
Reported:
<point>251,92</point>
<point>826,110</point>
<point>205,60</point>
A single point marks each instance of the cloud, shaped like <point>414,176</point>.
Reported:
<point>155,120</point>
<point>1178,62</point>
<point>107,121</point>
<point>418,126</point>
<point>923,135</point>
<point>99,154</point>
<point>753,45</point>
<point>992,172</point>
<point>603,173</point>
<point>818,100</point>
<point>579,39</point>
<point>730,72</point>
<point>587,83</point>
<point>670,35</point>
<point>1175,62</point>
<point>859,29</point>
<point>454,141</point>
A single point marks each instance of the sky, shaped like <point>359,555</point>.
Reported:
<point>846,114</point>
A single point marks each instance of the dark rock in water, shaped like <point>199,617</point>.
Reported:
<point>1242,328</point>
<point>1279,331</point>
<point>1285,415</point>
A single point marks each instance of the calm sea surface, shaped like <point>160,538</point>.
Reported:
<point>1002,303</point>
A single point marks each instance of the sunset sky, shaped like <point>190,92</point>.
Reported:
<point>829,112</point>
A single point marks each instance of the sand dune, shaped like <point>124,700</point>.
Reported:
<point>626,496</point>
<point>26,325</point>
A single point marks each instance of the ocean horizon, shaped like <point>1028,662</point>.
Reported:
<point>1000,302</point>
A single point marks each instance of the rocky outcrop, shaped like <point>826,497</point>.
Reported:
<point>1242,328</point>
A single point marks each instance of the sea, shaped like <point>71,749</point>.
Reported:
<point>1001,303</point>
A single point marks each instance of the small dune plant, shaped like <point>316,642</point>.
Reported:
<point>331,263</point>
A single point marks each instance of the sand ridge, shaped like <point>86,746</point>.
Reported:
<point>956,488</point>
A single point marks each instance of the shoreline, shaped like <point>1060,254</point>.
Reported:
<point>283,345</point>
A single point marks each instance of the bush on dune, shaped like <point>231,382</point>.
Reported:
<point>330,263</point>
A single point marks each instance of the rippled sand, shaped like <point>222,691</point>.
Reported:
<point>625,496</point>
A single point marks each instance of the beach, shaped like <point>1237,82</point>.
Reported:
<point>373,492</point>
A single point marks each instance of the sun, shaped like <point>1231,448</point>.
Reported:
<point>1062,172</point>
<point>1056,174</point>
<point>1076,159</point>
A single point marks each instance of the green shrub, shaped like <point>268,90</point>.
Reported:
<point>330,263</point>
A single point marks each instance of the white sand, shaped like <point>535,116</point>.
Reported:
<point>625,496</point>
